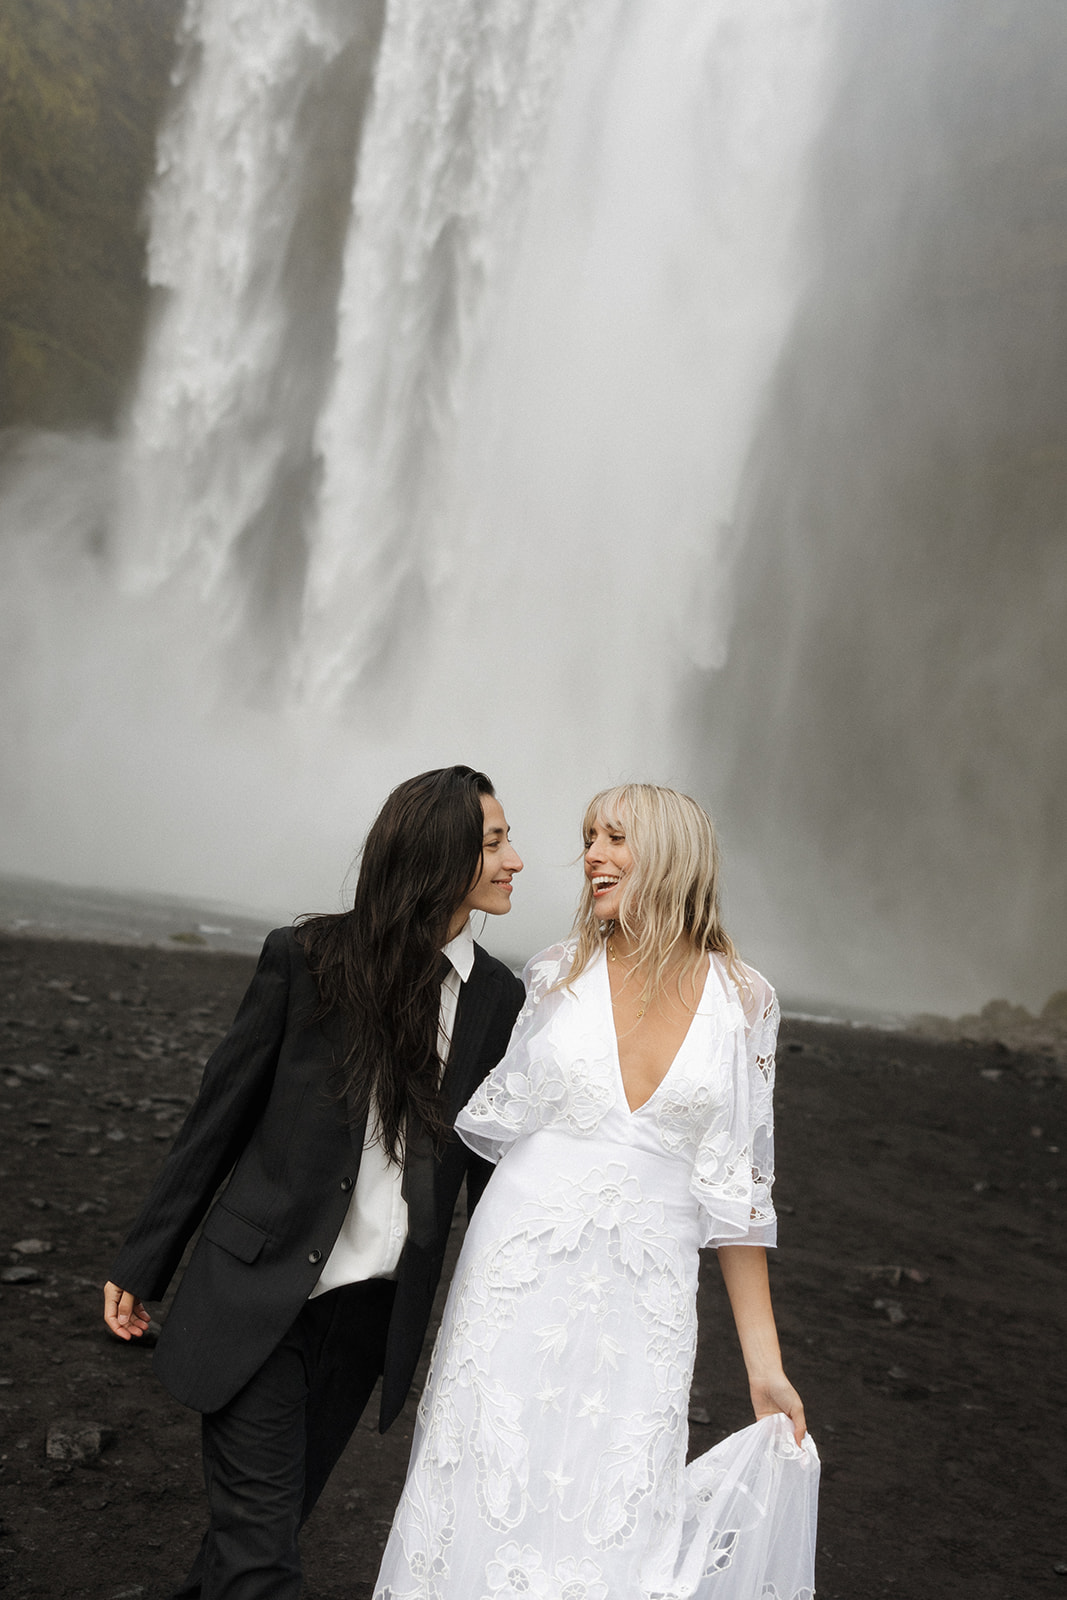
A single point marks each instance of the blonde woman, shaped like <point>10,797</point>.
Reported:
<point>630,1121</point>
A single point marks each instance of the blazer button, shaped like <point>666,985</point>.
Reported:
<point>314,1256</point>
<point>346,1184</point>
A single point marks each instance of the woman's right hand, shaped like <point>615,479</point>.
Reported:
<point>124,1313</point>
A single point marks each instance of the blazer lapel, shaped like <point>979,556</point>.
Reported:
<point>417,1184</point>
<point>472,1019</point>
<point>420,1164</point>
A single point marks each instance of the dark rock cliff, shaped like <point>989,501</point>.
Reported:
<point>82,86</point>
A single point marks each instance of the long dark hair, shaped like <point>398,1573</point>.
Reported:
<point>378,965</point>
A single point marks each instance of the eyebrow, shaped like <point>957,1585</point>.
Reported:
<point>492,833</point>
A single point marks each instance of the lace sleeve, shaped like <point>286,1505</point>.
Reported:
<point>508,1102</point>
<point>734,1168</point>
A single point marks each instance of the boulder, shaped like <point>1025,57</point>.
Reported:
<point>80,1442</point>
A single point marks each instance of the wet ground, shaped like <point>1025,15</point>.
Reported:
<point>920,1283</point>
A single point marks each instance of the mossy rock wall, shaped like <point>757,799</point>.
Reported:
<point>82,87</point>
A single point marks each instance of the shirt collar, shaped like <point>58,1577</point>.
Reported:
<point>460,951</point>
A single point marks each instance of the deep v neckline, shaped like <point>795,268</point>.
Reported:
<point>628,1109</point>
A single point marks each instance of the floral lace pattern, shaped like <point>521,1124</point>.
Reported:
<point>537,1085</point>
<point>549,1456</point>
<point>714,1107</point>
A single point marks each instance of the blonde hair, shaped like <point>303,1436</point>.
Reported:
<point>670,897</point>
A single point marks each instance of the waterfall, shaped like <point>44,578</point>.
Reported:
<point>506,316</point>
<point>584,391</point>
<point>465,313</point>
<point>515,391</point>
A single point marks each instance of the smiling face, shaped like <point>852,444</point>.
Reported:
<point>607,861</point>
<point>491,890</point>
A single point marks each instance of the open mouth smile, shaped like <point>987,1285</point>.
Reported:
<point>601,884</point>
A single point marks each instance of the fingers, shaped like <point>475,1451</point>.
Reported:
<point>124,1313</point>
<point>793,1407</point>
<point>783,1398</point>
<point>139,1319</point>
<point>112,1296</point>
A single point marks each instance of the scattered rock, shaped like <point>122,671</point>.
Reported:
<point>32,1247</point>
<point>81,1442</point>
<point>1009,1028</point>
<point>893,1310</point>
<point>20,1275</point>
<point>1001,1014</point>
<point>700,1416</point>
<point>895,1276</point>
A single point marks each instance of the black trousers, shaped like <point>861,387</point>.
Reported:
<point>269,1452</point>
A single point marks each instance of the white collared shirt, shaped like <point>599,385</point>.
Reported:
<point>376,1224</point>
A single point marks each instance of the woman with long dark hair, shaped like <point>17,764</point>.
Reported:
<point>328,1108</point>
<point>631,1121</point>
<point>437,851</point>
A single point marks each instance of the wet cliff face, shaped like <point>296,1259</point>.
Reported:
<point>83,89</point>
<point>899,651</point>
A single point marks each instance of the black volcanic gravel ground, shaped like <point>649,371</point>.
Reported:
<point>920,1286</point>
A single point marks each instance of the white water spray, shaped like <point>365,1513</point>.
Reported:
<point>460,487</point>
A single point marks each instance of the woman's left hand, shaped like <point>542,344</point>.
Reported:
<point>778,1394</point>
<point>744,1271</point>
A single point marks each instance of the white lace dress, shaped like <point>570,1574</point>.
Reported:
<point>549,1454</point>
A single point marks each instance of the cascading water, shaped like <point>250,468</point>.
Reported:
<point>474,358</point>
<point>474,424</point>
<point>458,488</point>
<point>562,405</point>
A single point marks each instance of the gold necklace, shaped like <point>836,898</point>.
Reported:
<point>613,957</point>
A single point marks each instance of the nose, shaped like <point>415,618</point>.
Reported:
<point>512,859</point>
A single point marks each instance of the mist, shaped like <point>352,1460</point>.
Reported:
<point>669,393</point>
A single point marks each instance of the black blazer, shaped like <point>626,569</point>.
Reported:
<point>268,1115</point>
